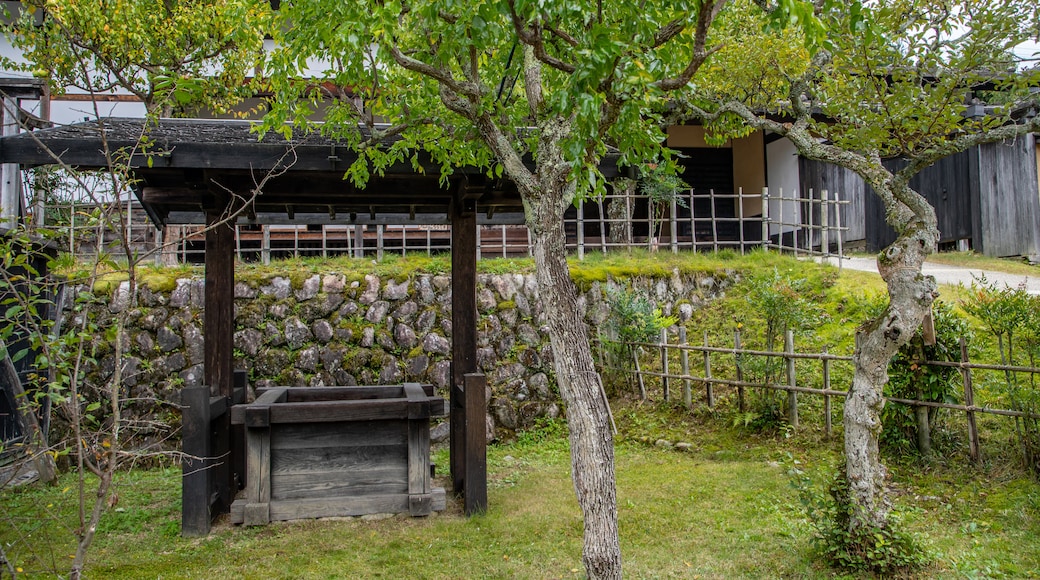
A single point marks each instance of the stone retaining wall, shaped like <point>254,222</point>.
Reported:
<point>328,330</point>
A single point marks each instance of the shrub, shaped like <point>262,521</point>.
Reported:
<point>883,550</point>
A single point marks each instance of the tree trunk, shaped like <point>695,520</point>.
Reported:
<point>910,297</point>
<point>588,418</point>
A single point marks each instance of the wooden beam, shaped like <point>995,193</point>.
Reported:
<point>463,328</point>
<point>475,501</point>
<point>218,333</point>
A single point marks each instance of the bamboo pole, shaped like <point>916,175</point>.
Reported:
<point>738,364</point>
<point>664,364</point>
<point>639,375</point>
<point>765,217</point>
<point>828,427</point>
<point>969,401</point>
<point>686,391</point>
<point>709,389</point>
<point>792,396</point>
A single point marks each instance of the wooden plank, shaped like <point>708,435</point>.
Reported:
<point>335,411</point>
<point>475,501</point>
<point>356,433</point>
<point>266,398</point>
<point>418,457</point>
<point>346,506</point>
<point>195,475</point>
<point>322,459</point>
<point>463,323</point>
<point>370,480</point>
<point>258,488</point>
<point>304,394</point>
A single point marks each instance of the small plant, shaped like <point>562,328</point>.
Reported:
<point>910,428</point>
<point>782,303</point>
<point>633,319</point>
<point>1009,313</point>
<point>661,186</point>
<point>883,550</point>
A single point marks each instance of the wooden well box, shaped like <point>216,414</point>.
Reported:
<point>316,452</point>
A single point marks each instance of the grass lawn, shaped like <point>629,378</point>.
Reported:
<point>726,509</point>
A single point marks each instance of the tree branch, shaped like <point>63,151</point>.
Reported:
<point>705,17</point>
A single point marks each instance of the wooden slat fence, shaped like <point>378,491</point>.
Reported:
<point>734,359</point>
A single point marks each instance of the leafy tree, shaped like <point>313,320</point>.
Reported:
<point>879,80</point>
<point>170,54</point>
<point>491,84</point>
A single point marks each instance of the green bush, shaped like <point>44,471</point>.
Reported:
<point>907,429</point>
<point>885,551</point>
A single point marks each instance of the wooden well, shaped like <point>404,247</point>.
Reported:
<point>316,452</point>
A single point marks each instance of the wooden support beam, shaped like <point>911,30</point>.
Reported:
<point>475,501</point>
<point>218,332</point>
<point>464,332</point>
<point>195,442</point>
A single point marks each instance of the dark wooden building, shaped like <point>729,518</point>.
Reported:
<point>986,198</point>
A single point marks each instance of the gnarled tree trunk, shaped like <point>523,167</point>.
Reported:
<point>910,296</point>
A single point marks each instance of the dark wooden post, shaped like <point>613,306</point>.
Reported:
<point>218,331</point>
<point>195,478</point>
<point>475,501</point>
<point>467,421</point>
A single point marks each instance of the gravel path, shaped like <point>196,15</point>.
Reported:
<point>951,274</point>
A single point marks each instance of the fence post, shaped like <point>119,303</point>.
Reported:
<point>685,355</point>
<point>709,387</point>
<point>265,248</point>
<point>810,231</point>
<point>673,228</point>
<point>780,222</point>
<point>825,242</point>
<point>664,364</point>
<point>841,234</point>
<point>581,229</point>
<point>639,374</point>
<point>740,369</point>
<point>765,218</point>
<point>740,218</point>
<point>969,401</point>
<point>792,397</point>
<point>714,223</point>
<point>828,428</point>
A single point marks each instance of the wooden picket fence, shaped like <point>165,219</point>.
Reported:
<point>699,374</point>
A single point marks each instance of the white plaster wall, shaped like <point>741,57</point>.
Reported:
<point>782,177</point>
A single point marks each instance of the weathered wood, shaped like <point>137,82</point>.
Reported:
<point>348,433</point>
<point>685,354</point>
<point>737,362</point>
<point>709,388</point>
<point>475,501</point>
<point>341,506</point>
<point>969,402</point>
<point>463,324</point>
<point>828,427</point>
<point>218,333</point>
<point>639,374</point>
<point>665,385</point>
<point>419,484</point>
<point>297,454</point>
<point>195,474</point>
<point>340,458</point>
<point>304,394</point>
<point>377,478</point>
<point>792,395</point>
<point>258,476</point>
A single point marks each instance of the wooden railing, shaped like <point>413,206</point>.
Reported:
<point>655,362</point>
